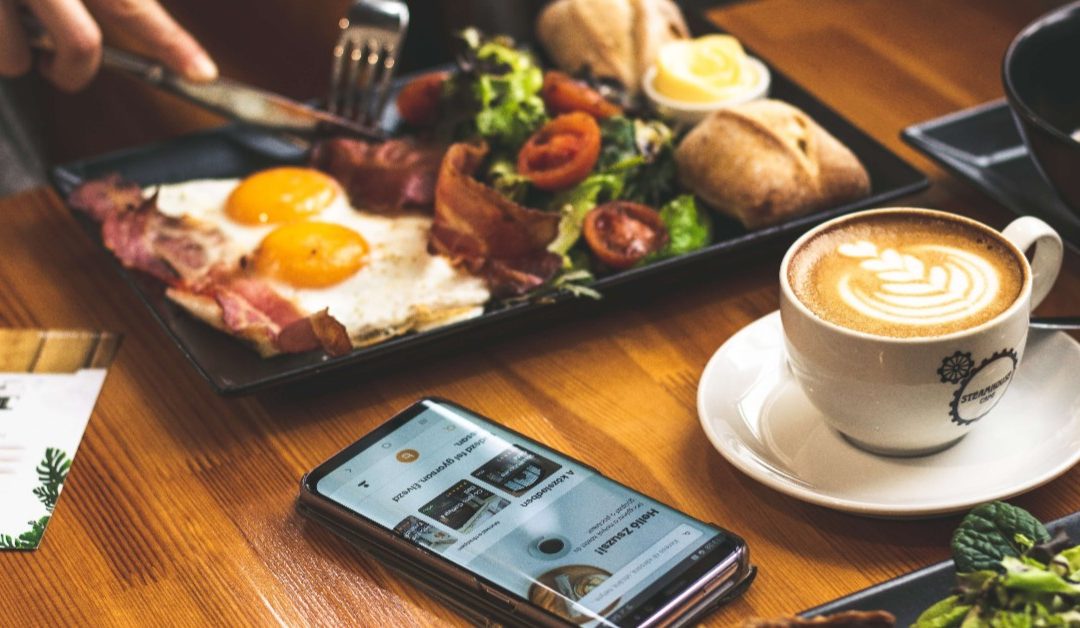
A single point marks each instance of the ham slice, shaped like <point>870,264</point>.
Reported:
<point>483,231</point>
<point>386,177</point>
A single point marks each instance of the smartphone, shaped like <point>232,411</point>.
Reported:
<point>508,531</point>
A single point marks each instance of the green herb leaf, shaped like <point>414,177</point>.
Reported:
<point>989,533</point>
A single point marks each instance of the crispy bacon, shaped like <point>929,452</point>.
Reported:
<point>318,330</point>
<point>187,257</point>
<point>490,235</point>
<point>386,177</point>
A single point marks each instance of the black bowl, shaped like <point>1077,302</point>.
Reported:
<point>1042,82</point>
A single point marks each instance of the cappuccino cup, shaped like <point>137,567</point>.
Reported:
<point>905,326</point>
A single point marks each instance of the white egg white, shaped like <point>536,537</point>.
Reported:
<point>399,288</point>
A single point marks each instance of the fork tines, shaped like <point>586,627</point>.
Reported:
<point>364,59</point>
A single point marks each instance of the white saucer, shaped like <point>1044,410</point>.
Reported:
<point>757,417</point>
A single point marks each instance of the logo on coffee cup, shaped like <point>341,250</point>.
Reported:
<point>980,387</point>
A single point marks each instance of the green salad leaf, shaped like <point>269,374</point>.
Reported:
<point>575,203</point>
<point>503,175</point>
<point>993,531</point>
<point>643,153</point>
<point>947,612</point>
<point>1009,574</point>
<point>618,145</point>
<point>496,93</point>
<point>1069,563</point>
<point>688,228</point>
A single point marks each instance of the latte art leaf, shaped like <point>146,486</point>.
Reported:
<point>926,284</point>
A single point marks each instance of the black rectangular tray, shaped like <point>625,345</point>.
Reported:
<point>983,146</point>
<point>909,595</point>
<point>234,151</point>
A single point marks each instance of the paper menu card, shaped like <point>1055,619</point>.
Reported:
<point>49,381</point>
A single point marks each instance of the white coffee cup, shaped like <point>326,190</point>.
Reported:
<point>918,395</point>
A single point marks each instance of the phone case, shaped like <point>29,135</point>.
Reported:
<point>484,604</point>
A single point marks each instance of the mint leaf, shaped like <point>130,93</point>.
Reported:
<point>991,532</point>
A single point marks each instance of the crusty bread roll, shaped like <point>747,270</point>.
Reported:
<point>615,38</point>
<point>766,161</point>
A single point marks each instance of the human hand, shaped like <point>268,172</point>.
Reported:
<point>73,27</point>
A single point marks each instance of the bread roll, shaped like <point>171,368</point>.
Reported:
<point>765,162</point>
<point>616,38</point>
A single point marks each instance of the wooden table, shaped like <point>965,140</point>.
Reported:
<point>179,507</point>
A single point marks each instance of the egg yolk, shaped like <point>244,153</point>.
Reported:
<point>281,195</point>
<point>310,254</point>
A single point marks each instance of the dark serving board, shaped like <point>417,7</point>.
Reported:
<point>233,151</point>
<point>983,145</point>
<point>909,595</point>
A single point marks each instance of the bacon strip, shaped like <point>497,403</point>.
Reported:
<point>106,196</point>
<point>171,249</point>
<point>186,256</point>
<point>252,309</point>
<point>386,177</point>
<point>488,234</point>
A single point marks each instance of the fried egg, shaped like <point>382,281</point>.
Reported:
<point>295,228</point>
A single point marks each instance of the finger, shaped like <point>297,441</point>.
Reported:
<point>77,39</point>
<point>14,52</point>
<point>149,24</point>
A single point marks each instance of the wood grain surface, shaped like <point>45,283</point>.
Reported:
<point>179,507</point>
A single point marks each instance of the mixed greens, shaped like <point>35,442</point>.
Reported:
<point>497,95</point>
<point>1010,573</point>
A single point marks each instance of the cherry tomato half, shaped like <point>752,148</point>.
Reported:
<point>418,102</point>
<point>562,152</point>
<point>563,94</point>
<point>621,233</point>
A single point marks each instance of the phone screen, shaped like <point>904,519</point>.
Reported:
<point>537,524</point>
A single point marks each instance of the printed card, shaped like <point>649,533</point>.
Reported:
<point>49,382</point>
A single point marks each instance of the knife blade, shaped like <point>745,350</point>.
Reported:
<point>227,97</point>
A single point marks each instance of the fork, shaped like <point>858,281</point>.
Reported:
<point>364,59</point>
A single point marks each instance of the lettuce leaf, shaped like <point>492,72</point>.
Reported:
<point>946,613</point>
<point>642,151</point>
<point>688,227</point>
<point>575,203</point>
<point>498,90</point>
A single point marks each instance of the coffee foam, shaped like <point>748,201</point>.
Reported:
<point>906,274</point>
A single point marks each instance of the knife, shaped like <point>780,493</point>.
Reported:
<point>229,98</point>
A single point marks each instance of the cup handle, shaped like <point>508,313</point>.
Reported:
<point>1027,231</point>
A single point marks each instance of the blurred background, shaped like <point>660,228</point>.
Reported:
<point>281,45</point>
